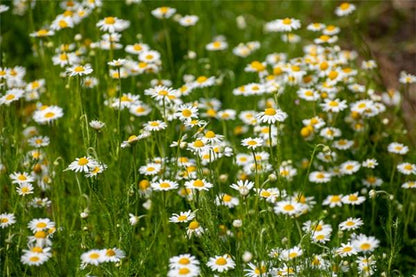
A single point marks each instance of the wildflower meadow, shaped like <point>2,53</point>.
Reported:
<point>205,138</point>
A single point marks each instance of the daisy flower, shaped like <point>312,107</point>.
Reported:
<point>113,255</point>
<point>353,199</point>
<point>343,144</point>
<point>308,94</point>
<point>188,20</point>
<point>288,208</point>
<point>319,177</point>
<point>185,271</point>
<point>227,200</point>
<point>47,114</point>
<point>407,78</point>
<point>349,167</point>
<point>351,224</point>
<point>363,243</point>
<point>203,82</point>
<point>79,70</point>
<point>24,189</point>
<point>409,185</point>
<point>155,125</point>
<point>271,116</point>
<point>290,254</point>
<point>113,24</point>
<point>283,25</point>
<point>406,168</point>
<point>252,143</point>
<point>183,260</point>
<point>346,250</point>
<point>397,148</point>
<point>334,106</point>
<point>221,263</point>
<point>198,184</point>
<point>315,27</point>
<point>162,93</point>
<point>370,163</point>
<point>96,124</point>
<point>164,185</point>
<point>163,12</point>
<point>150,169</point>
<point>344,9</point>
<point>137,48</point>
<point>182,217</point>
<point>7,220</point>
<point>333,201</point>
<point>140,109</point>
<point>40,224</point>
<point>33,258</point>
<point>255,271</point>
<point>326,39</point>
<point>150,56</point>
<point>11,96</point>
<point>194,228</point>
<point>243,187</point>
<point>83,164</point>
<point>92,257</point>
<point>186,112</point>
<point>216,46</point>
<point>39,141</point>
<point>330,133</point>
<point>21,178</point>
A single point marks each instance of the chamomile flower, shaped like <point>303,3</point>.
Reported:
<point>96,124</point>
<point>315,27</point>
<point>79,70</point>
<point>346,250</point>
<point>182,217</point>
<point>319,177</point>
<point>163,12</point>
<point>370,163</point>
<point>283,25</point>
<point>351,224</point>
<point>188,20</point>
<point>113,255</point>
<point>252,143</point>
<point>243,187</point>
<point>39,141</point>
<point>227,200</point>
<point>290,254</point>
<point>194,228</point>
<point>155,125</point>
<point>397,148</point>
<point>40,224</point>
<point>203,82</point>
<point>343,144</point>
<point>333,200</point>
<point>308,94</point>
<point>164,185</point>
<point>198,184</point>
<point>409,185</point>
<point>221,263</point>
<point>112,24</point>
<point>353,199</point>
<point>162,93</point>
<point>92,257</point>
<point>344,9</point>
<point>271,116</point>
<point>21,178</point>
<point>7,220</point>
<point>33,258</point>
<point>349,167</point>
<point>334,106</point>
<point>363,243</point>
<point>24,189</point>
<point>406,168</point>
<point>185,271</point>
<point>407,78</point>
<point>186,112</point>
<point>217,45</point>
<point>11,96</point>
<point>48,114</point>
<point>83,164</point>
<point>288,208</point>
<point>255,270</point>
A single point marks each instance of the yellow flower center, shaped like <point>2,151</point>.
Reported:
<point>193,225</point>
<point>293,255</point>
<point>252,142</point>
<point>63,24</point>
<point>226,198</point>
<point>163,93</point>
<point>198,183</point>
<point>335,199</point>
<point>221,261</point>
<point>347,249</point>
<point>37,249</point>
<point>287,21</point>
<point>82,161</point>
<point>344,6</point>
<point>42,32</point>
<point>34,259</point>
<point>40,235</point>
<point>4,220</point>
<point>198,143</point>
<point>182,218</point>
<point>216,44</point>
<point>201,79</point>
<point>164,185</point>
<point>258,66</point>
<point>210,134</point>
<point>365,246</point>
<point>79,69</point>
<point>270,112</point>
<point>288,207</point>
<point>332,75</point>
<point>109,20</point>
<point>184,270</point>
<point>94,256</point>
<point>186,113</point>
<point>110,252</point>
<point>22,177</point>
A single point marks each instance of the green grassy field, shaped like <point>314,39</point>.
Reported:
<point>255,139</point>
